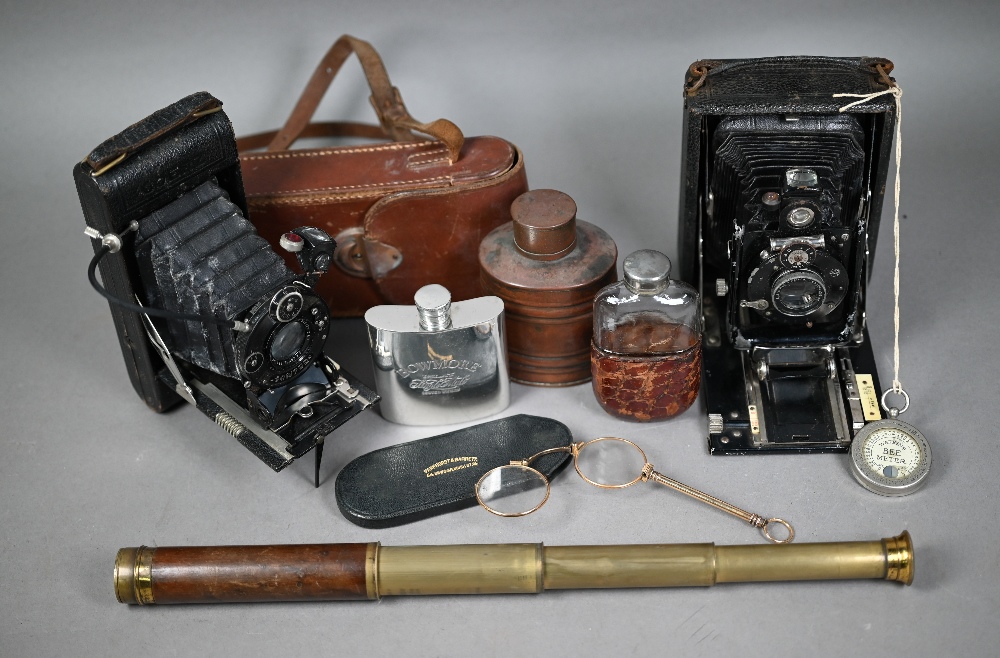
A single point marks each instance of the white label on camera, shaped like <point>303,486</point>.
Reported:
<point>869,397</point>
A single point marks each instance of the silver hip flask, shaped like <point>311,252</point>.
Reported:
<point>438,363</point>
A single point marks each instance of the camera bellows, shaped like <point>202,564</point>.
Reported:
<point>753,154</point>
<point>786,195</point>
<point>199,255</point>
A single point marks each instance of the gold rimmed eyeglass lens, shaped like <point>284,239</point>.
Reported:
<point>512,490</point>
<point>610,462</point>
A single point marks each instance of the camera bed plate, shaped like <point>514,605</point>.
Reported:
<point>269,447</point>
<point>727,397</point>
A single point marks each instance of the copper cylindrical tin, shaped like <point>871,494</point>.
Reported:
<point>547,266</point>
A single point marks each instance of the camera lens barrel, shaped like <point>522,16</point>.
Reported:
<point>799,283</point>
<point>287,334</point>
<point>798,292</point>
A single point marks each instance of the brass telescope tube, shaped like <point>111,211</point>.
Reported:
<point>330,572</point>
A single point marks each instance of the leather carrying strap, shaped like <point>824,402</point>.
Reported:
<point>396,122</point>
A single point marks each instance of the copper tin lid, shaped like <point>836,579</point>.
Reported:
<point>544,224</point>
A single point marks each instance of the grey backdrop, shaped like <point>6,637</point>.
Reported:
<point>591,92</point>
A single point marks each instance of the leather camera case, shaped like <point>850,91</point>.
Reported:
<point>405,213</point>
<point>416,480</point>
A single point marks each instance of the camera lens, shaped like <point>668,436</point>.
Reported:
<point>287,341</point>
<point>798,292</point>
<point>287,347</point>
<point>801,217</point>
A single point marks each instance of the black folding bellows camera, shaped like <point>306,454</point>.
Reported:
<point>780,202</point>
<point>204,308</point>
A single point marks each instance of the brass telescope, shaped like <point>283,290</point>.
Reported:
<point>330,572</point>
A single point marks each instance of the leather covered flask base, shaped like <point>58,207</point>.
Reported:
<point>416,480</point>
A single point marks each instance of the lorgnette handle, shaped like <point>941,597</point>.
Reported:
<point>329,572</point>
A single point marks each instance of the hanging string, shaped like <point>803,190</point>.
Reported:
<point>896,93</point>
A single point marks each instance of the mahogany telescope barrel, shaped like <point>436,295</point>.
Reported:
<point>331,572</point>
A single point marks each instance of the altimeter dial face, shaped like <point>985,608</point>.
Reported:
<point>890,457</point>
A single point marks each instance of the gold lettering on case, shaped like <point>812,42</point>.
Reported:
<point>438,468</point>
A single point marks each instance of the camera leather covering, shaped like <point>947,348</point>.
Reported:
<point>134,173</point>
<point>416,480</point>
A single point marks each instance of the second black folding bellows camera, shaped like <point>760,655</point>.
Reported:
<point>205,309</point>
<point>780,207</point>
